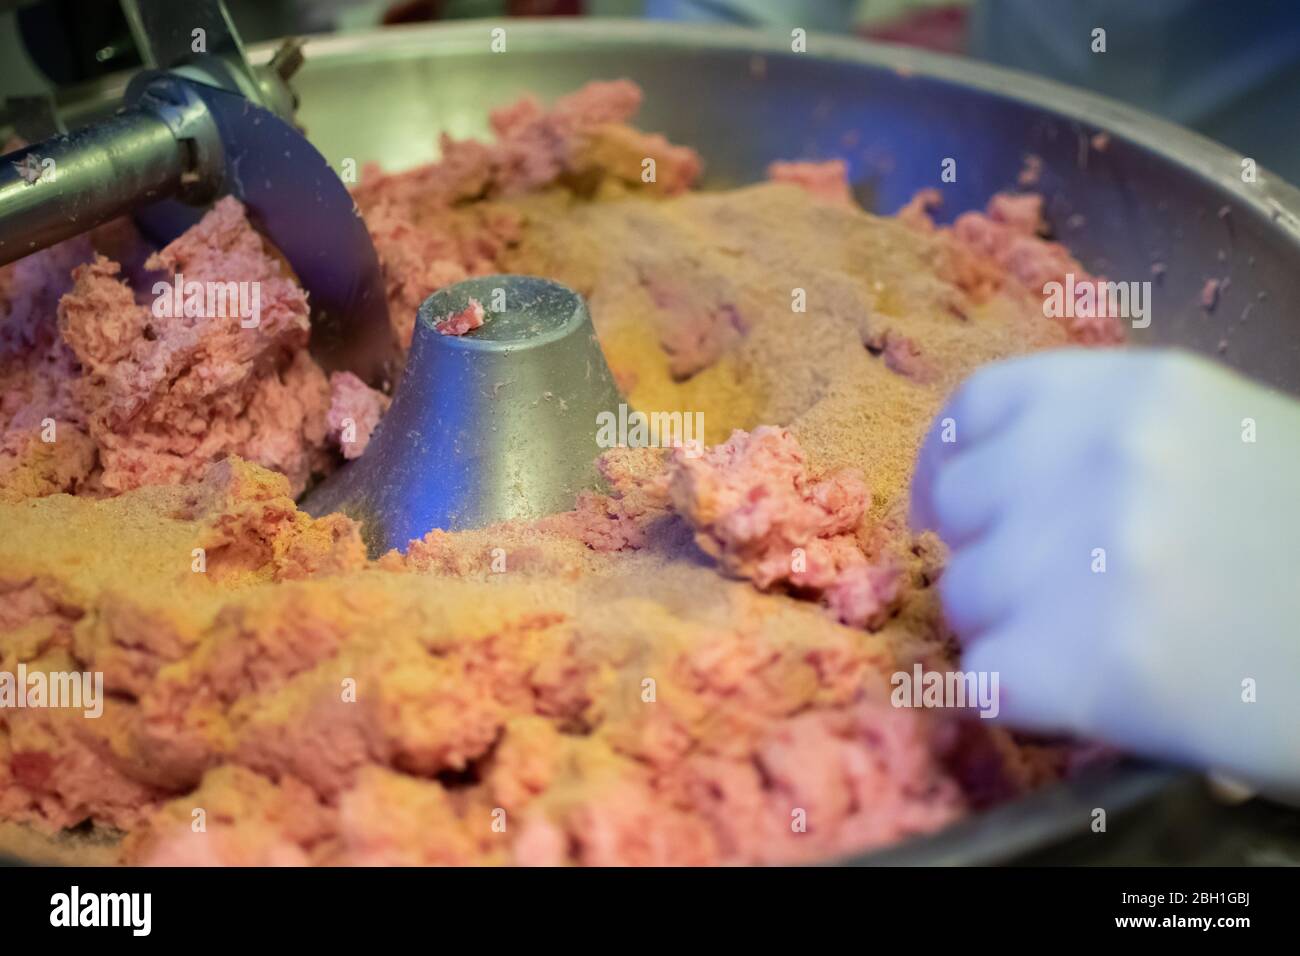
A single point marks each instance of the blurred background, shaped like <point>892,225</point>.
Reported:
<point>1228,70</point>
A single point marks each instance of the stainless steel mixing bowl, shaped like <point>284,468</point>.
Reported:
<point>743,99</point>
<point>1156,194</point>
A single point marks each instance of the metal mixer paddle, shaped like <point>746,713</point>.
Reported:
<point>209,125</point>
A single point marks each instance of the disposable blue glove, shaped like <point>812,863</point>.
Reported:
<point>1124,529</point>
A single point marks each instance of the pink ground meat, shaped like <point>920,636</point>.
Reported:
<point>752,505</point>
<point>166,396</point>
<point>1210,294</point>
<point>142,394</point>
<point>428,239</point>
<point>901,354</point>
<point>1006,242</point>
<point>827,180</point>
<point>696,322</point>
<point>355,410</point>
<point>466,320</point>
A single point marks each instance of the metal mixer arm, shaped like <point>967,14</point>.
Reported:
<point>209,126</point>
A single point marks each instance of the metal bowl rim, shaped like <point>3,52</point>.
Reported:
<point>1271,195</point>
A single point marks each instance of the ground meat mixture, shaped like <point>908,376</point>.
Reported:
<point>828,180</point>
<point>136,392</point>
<point>466,320</point>
<point>355,410</point>
<point>691,666</point>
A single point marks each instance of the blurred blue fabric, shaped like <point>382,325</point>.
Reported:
<point>1230,70</point>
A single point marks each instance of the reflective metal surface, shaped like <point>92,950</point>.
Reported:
<point>495,424</point>
<point>743,99</point>
<point>164,33</point>
<point>72,182</point>
<point>298,200</point>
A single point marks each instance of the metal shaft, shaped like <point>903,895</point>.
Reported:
<point>73,182</point>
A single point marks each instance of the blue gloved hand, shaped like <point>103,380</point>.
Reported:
<point>1125,552</point>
